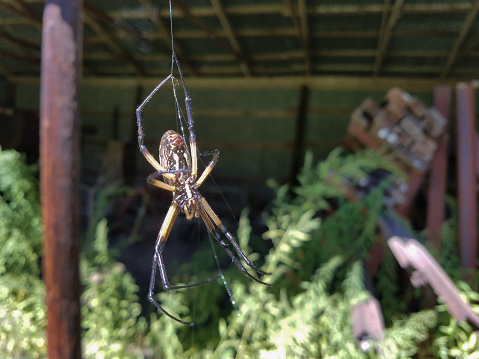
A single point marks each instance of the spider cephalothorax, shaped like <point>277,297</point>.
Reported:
<point>174,156</point>
<point>178,165</point>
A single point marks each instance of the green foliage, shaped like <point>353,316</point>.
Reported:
<point>349,231</point>
<point>22,317</point>
<point>387,288</point>
<point>453,339</point>
<point>448,257</point>
<point>110,308</point>
<point>20,239</point>
<point>401,340</point>
<point>317,275</point>
<point>22,309</point>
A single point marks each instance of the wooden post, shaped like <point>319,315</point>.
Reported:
<point>298,150</point>
<point>466,176</point>
<point>437,174</point>
<point>60,173</point>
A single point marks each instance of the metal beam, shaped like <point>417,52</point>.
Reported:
<point>393,18</point>
<point>438,174</point>
<point>299,136</point>
<point>384,20</point>
<point>20,9</point>
<point>198,22</point>
<point>93,19</point>
<point>164,33</point>
<point>225,24</point>
<point>346,83</point>
<point>304,26</point>
<point>466,175</point>
<point>465,29</point>
<point>60,174</point>
<point>301,28</point>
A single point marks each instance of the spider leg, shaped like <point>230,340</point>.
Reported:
<point>139,122</point>
<point>206,218</point>
<point>228,235</point>
<point>159,265</point>
<point>158,260</point>
<point>151,294</point>
<point>191,126</point>
<point>152,179</point>
<point>208,168</point>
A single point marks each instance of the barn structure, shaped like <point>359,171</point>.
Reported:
<point>268,81</point>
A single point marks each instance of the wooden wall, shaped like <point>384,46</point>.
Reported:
<point>253,128</point>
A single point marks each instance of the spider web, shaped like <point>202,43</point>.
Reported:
<point>181,120</point>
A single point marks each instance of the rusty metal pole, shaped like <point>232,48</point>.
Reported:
<point>466,176</point>
<point>60,172</point>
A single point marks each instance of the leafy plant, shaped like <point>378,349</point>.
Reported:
<point>317,240</point>
<point>22,309</point>
<point>110,308</point>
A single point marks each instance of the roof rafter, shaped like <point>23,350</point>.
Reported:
<point>303,22</point>
<point>302,35</point>
<point>384,20</point>
<point>225,24</point>
<point>164,32</point>
<point>345,9</point>
<point>466,27</point>
<point>93,19</point>
<point>5,72</point>
<point>285,82</point>
<point>19,8</point>
<point>206,29</point>
<point>393,18</point>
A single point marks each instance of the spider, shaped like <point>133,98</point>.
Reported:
<point>179,169</point>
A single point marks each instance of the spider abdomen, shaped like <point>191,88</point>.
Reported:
<point>173,152</point>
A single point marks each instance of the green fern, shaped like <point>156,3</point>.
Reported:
<point>453,339</point>
<point>305,315</point>
<point>110,308</point>
<point>22,305</point>
<point>401,340</point>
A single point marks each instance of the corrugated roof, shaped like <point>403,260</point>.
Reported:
<point>238,38</point>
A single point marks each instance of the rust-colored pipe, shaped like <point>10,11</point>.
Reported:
<point>438,174</point>
<point>467,191</point>
<point>60,173</point>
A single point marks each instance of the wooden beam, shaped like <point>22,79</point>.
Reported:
<point>395,13</point>
<point>346,9</point>
<point>25,50</point>
<point>384,21</point>
<point>259,8</point>
<point>225,24</point>
<point>198,22</point>
<point>93,20</point>
<point>346,83</point>
<point>281,56</point>
<point>60,174</point>
<point>438,174</point>
<point>466,176</point>
<point>20,9</point>
<point>165,34</point>
<point>304,26</point>
<point>299,136</point>
<point>4,71</point>
<point>465,29</point>
<point>301,35</point>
